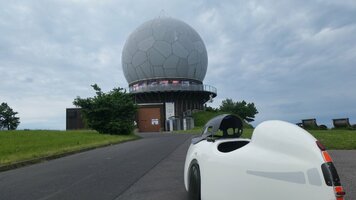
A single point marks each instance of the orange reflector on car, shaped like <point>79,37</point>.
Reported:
<point>327,157</point>
<point>339,192</point>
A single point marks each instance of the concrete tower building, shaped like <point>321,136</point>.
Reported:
<point>164,62</point>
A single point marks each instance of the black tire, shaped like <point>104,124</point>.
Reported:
<point>194,181</point>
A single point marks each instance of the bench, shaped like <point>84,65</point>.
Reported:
<point>311,124</point>
<point>343,123</point>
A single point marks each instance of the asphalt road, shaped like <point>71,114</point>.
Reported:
<point>150,168</point>
<point>105,173</point>
<point>345,163</point>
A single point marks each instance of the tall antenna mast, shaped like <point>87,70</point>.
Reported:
<point>162,14</point>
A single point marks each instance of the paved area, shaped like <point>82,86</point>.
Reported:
<point>165,181</point>
<point>104,173</point>
<point>150,168</point>
<point>345,163</point>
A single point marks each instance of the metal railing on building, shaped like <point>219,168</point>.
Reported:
<point>172,87</point>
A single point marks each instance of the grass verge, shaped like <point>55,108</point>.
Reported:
<point>336,139</point>
<point>17,146</point>
<point>332,139</point>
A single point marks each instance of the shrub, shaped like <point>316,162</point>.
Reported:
<point>110,113</point>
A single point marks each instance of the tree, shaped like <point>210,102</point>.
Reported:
<point>211,109</point>
<point>8,119</point>
<point>110,113</point>
<point>246,111</point>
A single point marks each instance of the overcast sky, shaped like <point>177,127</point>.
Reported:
<point>293,59</point>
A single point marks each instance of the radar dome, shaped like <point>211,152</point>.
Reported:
<point>164,48</point>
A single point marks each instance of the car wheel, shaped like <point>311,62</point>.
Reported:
<point>194,181</point>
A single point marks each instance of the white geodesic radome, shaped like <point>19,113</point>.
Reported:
<point>164,48</point>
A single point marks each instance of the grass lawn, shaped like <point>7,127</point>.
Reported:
<point>18,146</point>
<point>336,139</point>
<point>331,139</point>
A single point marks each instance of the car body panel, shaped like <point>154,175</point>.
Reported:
<point>281,161</point>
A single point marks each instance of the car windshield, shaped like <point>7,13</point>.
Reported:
<point>223,126</point>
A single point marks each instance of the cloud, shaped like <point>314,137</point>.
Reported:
<point>293,65</point>
<point>294,59</point>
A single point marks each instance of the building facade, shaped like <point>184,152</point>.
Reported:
<point>164,62</point>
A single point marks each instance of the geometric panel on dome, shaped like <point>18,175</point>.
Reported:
<point>139,58</point>
<point>170,36</point>
<point>158,29</point>
<point>146,69</point>
<point>199,46</point>
<point>181,69</point>
<point>158,71</point>
<point>171,72</point>
<point>186,42</point>
<point>171,62</point>
<point>163,47</point>
<point>131,70</point>
<point>179,50</point>
<point>155,58</point>
<point>192,70</point>
<point>140,73</point>
<point>145,44</point>
<point>193,57</point>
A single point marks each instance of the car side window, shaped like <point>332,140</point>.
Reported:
<point>229,132</point>
<point>208,129</point>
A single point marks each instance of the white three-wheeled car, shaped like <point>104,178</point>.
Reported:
<point>281,161</point>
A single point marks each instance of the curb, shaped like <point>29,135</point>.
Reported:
<point>55,156</point>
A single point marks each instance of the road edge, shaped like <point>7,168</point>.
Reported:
<point>60,155</point>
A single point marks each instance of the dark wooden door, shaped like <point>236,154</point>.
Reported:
<point>149,119</point>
